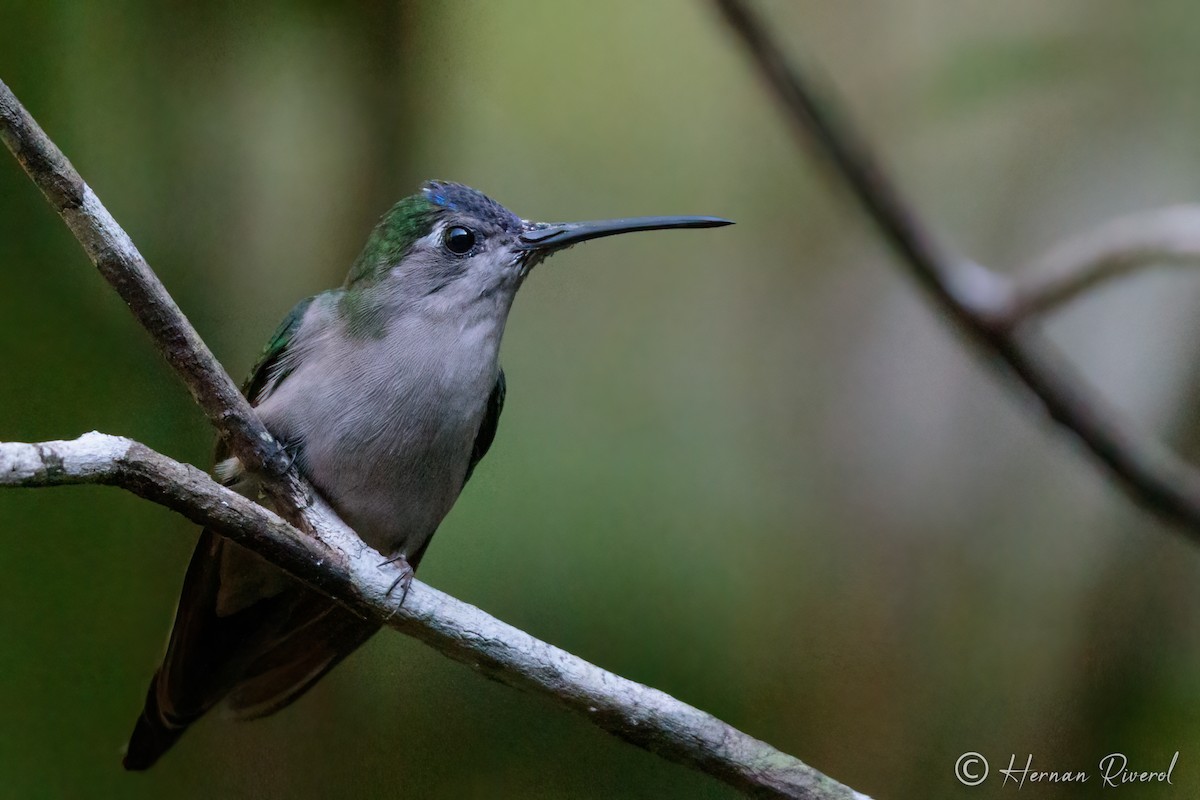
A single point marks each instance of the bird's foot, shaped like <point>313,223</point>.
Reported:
<point>404,582</point>
<point>292,450</point>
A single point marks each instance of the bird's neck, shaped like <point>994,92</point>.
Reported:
<point>372,310</point>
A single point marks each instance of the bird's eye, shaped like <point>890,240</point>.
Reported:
<point>459,240</point>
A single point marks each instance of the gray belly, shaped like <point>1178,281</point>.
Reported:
<point>386,441</point>
<point>392,480</point>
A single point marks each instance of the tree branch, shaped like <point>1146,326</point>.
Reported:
<point>643,716</point>
<point>335,561</point>
<point>979,301</point>
<point>1115,249</point>
<point>118,260</point>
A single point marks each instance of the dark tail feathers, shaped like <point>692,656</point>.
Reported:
<point>152,735</point>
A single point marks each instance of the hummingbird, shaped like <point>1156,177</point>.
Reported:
<point>386,393</point>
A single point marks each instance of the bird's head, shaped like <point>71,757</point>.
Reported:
<point>453,241</point>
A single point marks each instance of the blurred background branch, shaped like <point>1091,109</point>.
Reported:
<point>986,305</point>
<point>347,570</point>
<point>1115,249</point>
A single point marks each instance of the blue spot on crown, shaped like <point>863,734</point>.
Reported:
<point>470,202</point>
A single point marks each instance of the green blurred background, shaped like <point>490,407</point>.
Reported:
<point>749,467</point>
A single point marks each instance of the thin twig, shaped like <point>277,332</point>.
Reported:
<point>118,260</point>
<point>1116,249</point>
<point>336,562</point>
<point>638,714</point>
<point>978,300</point>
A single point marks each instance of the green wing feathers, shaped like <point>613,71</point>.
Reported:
<point>487,428</point>
<point>269,370</point>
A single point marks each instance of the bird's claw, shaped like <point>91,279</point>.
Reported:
<point>404,581</point>
<point>292,451</point>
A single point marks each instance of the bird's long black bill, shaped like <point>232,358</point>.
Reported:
<point>553,235</point>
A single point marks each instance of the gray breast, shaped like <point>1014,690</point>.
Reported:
<point>386,426</point>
